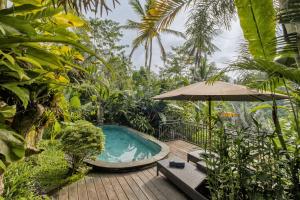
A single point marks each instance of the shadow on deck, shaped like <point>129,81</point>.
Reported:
<point>138,185</point>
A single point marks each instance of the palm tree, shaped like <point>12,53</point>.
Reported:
<point>148,30</point>
<point>200,32</point>
<point>204,70</point>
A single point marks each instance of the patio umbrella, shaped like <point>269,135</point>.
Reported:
<point>217,91</point>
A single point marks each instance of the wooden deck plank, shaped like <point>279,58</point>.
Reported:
<point>135,188</point>
<point>176,152</point>
<point>159,195</point>
<point>99,188</point>
<point>138,185</point>
<point>73,195</point>
<point>63,194</point>
<point>170,190</point>
<point>82,192</point>
<point>186,146</point>
<point>90,187</point>
<point>143,187</point>
<point>128,191</point>
<point>111,194</point>
<point>118,189</point>
<point>180,149</point>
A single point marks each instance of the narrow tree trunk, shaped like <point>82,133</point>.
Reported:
<point>146,55</point>
<point>1,184</point>
<point>150,59</point>
<point>100,114</point>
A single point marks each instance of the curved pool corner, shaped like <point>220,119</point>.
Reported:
<point>132,165</point>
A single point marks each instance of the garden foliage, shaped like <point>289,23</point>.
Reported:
<point>81,140</point>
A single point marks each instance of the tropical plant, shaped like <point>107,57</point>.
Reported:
<point>81,140</point>
<point>35,54</point>
<point>262,46</point>
<point>147,32</point>
<point>201,31</point>
<point>39,174</point>
<point>246,168</point>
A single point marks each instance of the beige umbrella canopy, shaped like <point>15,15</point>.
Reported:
<point>218,91</point>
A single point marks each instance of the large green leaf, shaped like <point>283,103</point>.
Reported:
<point>18,9</point>
<point>11,145</point>
<point>2,166</point>
<point>22,93</point>
<point>19,25</point>
<point>43,57</point>
<point>32,2</point>
<point>8,111</point>
<point>257,19</point>
<point>75,102</point>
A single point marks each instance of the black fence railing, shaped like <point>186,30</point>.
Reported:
<point>193,133</point>
<point>198,134</point>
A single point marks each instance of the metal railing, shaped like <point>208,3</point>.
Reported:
<point>198,134</point>
<point>187,131</point>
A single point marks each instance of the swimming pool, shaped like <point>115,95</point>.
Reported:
<point>127,148</point>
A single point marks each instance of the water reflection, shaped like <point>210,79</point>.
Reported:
<point>124,146</point>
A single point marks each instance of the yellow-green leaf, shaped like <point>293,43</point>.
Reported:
<point>22,93</point>
<point>32,2</point>
<point>30,60</point>
<point>68,20</point>
<point>257,19</point>
<point>8,57</point>
<point>8,111</point>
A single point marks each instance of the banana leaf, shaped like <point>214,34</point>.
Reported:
<point>257,19</point>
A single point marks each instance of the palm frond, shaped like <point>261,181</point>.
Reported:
<point>132,25</point>
<point>138,41</point>
<point>173,32</point>
<point>289,13</point>
<point>163,12</point>
<point>273,69</point>
<point>137,7</point>
<point>86,5</point>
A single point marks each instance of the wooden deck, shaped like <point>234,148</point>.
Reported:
<point>138,185</point>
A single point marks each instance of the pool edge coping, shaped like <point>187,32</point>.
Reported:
<point>164,152</point>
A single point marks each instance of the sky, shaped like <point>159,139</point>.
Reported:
<point>228,41</point>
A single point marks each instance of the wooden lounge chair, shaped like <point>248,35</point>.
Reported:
<point>198,157</point>
<point>186,179</point>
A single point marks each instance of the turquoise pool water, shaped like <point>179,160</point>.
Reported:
<point>123,145</point>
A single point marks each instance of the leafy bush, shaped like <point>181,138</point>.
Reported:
<point>248,168</point>
<point>142,124</point>
<point>81,140</point>
<point>38,174</point>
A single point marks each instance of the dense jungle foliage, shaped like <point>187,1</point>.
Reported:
<point>63,74</point>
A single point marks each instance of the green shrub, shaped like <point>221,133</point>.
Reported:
<point>38,174</point>
<point>81,140</point>
<point>51,170</point>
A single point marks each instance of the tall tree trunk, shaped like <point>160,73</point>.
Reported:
<point>146,55</point>
<point>196,65</point>
<point>100,114</point>
<point>150,59</point>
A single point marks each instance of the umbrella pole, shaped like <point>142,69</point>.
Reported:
<point>209,121</point>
